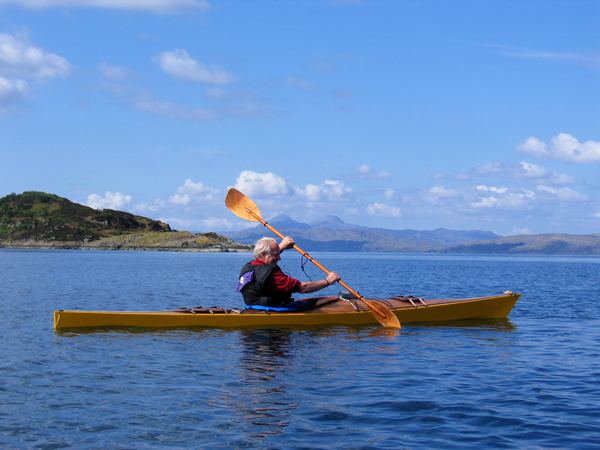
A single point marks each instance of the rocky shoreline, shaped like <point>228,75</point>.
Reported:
<point>182,241</point>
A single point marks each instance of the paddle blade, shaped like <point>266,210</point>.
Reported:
<point>384,315</point>
<point>242,206</point>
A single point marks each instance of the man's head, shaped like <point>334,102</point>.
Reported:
<point>267,250</point>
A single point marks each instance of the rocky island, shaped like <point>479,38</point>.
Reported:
<point>42,220</point>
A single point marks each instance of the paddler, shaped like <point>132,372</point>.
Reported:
<point>264,285</point>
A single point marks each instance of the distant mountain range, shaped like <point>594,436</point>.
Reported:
<point>538,244</point>
<point>38,219</point>
<point>331,233</point>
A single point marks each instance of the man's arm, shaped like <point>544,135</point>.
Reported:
<point>312,286</point>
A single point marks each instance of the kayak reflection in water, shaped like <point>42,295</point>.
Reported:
<point>265,397</point>
<point>264,285</point>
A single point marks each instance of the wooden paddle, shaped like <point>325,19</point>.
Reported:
<point>246,209</point>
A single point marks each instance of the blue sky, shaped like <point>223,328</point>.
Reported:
<point>416,114</point>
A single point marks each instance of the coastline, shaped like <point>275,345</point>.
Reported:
<point>181,241</point>
<point>215,249</point>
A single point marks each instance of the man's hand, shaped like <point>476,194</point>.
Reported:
<point>332,277</point>
<point>286,242</point>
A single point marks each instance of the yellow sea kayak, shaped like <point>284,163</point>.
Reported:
<point>328,311</point>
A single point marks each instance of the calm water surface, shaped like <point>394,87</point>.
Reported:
<point>530,382</point>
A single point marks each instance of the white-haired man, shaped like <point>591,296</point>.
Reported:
<point>263,283</point>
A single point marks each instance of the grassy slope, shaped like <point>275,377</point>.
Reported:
<point>38,219</point>
<point>48,217</point>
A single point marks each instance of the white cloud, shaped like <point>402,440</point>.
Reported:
<point>216,223</point>
<point>152,207</point>
<point>110,200</point>
<point>564,147</point>
<point>328,190</point>
<point>21,62</point>
<point>559,178</point>
<point>437,193</point>
<point>381,209</point>
<point>597,215</point>
<point>494,189</point>
<point>12,92</point>
<point>523,170</point>
<point>158,6</point>
<point>485,202</point>
<point>19,59</point>
<point>256,183</point>
<point>389,194</point>
<point>502,197</point>
<point>533,171</point>
<point>364,170</point>
<point>188,194</point>
<point>492,168</point>
<point>521,230</point>
<point>529,170</point>
<point>545,55</point>
<point>564,194</point>
<point>192,191</point>
<point>181,65</point>
<point>112,72</point>
<point>310,192</point>
<point>568,148</point>
<point>534,147</point>
<point>335,189</point>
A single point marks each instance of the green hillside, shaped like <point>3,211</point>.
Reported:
<point>38,216</point>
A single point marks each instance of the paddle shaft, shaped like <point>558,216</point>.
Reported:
<point>303,253</point>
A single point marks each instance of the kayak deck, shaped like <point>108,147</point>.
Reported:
<point>329,311</point>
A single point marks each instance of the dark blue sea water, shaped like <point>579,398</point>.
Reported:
<point>531,382</point>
